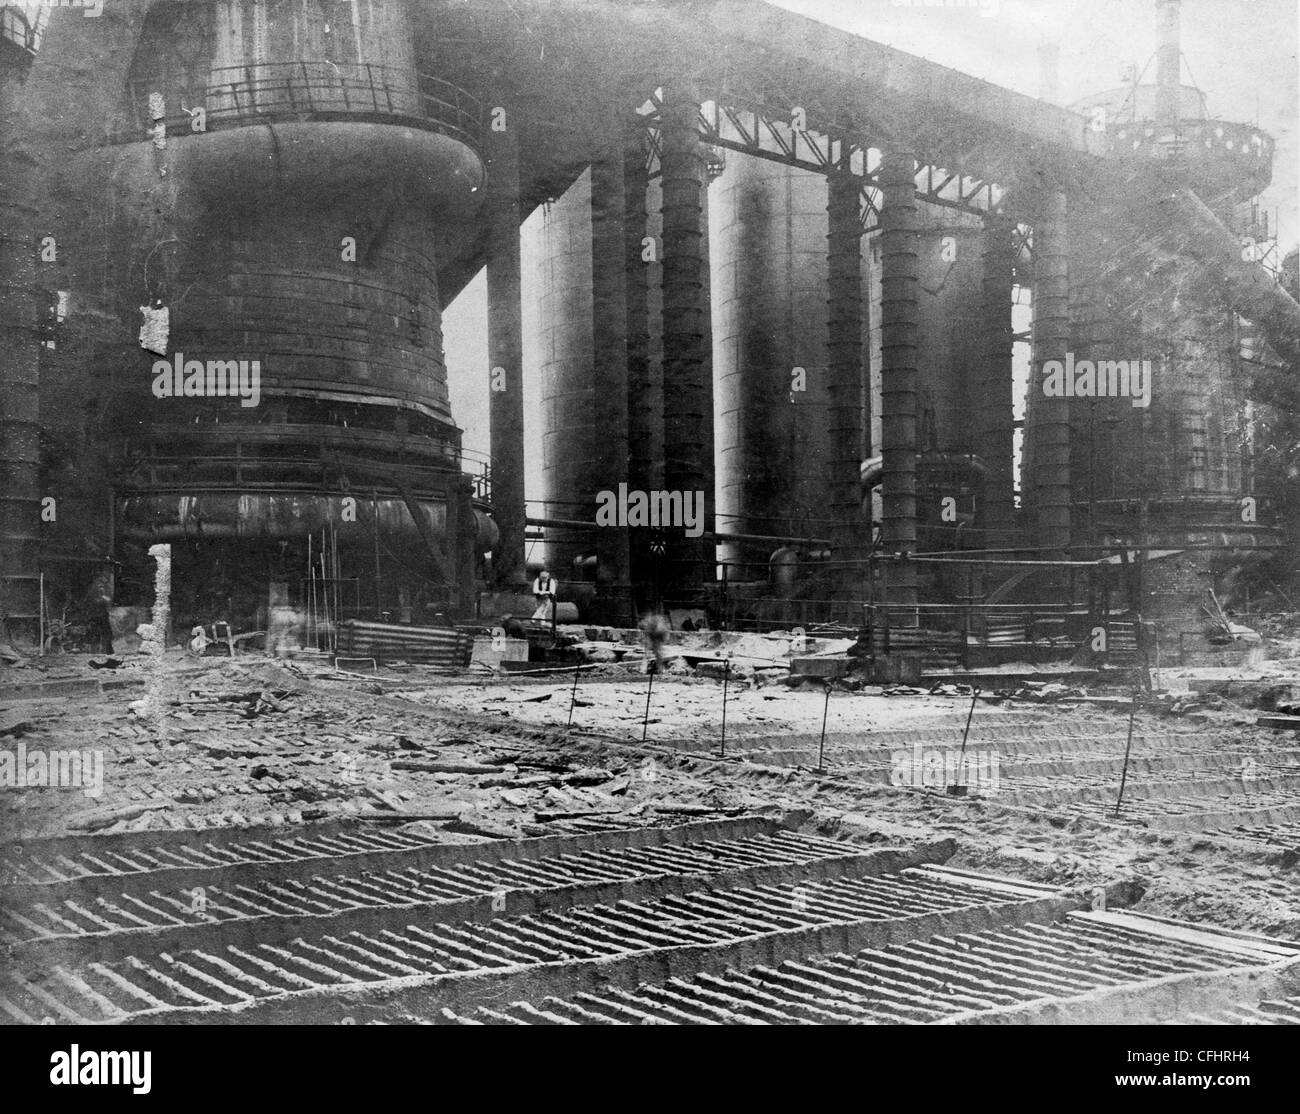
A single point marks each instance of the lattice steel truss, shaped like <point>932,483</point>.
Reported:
<point>810,138</point>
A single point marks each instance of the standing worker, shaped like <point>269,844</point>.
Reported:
<point>99,598</point>
<point>655,628</point>
<point>544,589</point>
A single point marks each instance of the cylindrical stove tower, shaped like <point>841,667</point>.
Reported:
<point>949,461</point>
<point>769,343</point>
<point>558,242</point>
<point>295,233</point>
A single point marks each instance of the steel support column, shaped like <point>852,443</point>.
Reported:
<point>20,348</point>
<point>1051,342</point>
<point>645,420</point>
<point>505,348</point>
<point>899,253</point>
<point>844,361</point>
<point>1090,433</point>
<point>610,368</point>
<point>994,413</point>
<point>1168,62</point>
<point>688,378</point>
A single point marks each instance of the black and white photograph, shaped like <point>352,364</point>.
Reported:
<point>623,513</point>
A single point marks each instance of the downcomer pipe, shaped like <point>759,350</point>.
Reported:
<point>1246,287</point>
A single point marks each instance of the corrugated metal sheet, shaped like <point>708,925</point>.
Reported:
<point>393,642</point>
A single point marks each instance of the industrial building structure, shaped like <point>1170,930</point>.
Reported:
<point>778,264</point>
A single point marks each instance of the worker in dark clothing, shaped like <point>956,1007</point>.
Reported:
<point>99,598</point>
<point>655,628</point>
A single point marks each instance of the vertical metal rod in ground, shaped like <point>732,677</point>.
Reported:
<point>573,696</point>
<point>826,707</point>
<point>961,758</point>
<point>645,727</point>
<point>311,605</point>
<point>726,675</point>
<point>374,522</point>
<point>1123,777</point>
<point>338,585</point>
<point>325,594</point>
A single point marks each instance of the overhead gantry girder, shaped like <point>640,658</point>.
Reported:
<point>799,135</point>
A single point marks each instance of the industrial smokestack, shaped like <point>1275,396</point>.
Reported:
<point>1049,72</point>
<point>1168,55</point>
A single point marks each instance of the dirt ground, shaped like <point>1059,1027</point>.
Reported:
<point>189,742</point>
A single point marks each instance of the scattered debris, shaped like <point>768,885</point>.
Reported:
<point>548,817</point>
<point>1285,723</point>
<point>15,723</point>
<point>408,815</point>
<point>445,767</point>
<point>387,799</point>
<point>106,818</point>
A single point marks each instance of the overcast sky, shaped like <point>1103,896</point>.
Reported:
<point>1241,53</point>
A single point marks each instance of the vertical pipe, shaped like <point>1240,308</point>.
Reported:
<point>994,413</point>
<point>1051,342</point>
<point>644,419</point>
<point>899,248</point>
<point>609,324</point>
<point>844,359</point>
<point>688,381</point>
<point>505,348</point>
<point>1168,63</point>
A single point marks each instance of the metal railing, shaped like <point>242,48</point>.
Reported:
<point>236,95</point>
<point>22,29</point>
<point>478,466</point>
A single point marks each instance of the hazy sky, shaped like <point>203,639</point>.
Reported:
<point>1241,53</point>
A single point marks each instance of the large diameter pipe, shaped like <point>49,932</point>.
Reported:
<point>1247,288</point>
<point>708,535</point>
